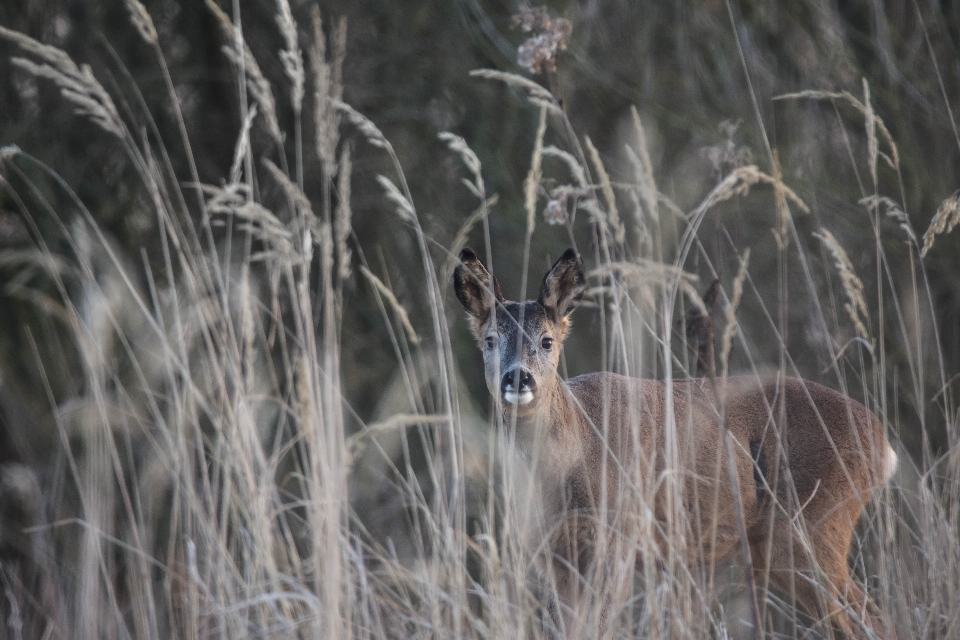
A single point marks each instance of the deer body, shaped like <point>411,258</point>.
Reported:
<point>806,458</point>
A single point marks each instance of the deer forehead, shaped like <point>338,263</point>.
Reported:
<point>531,316</point>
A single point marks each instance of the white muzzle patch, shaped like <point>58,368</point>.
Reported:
<point>518,398</point>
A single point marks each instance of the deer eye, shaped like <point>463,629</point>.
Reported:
<point>491,342</point>
<point>547,343</point>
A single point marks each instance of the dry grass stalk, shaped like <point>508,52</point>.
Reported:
<point>532,184</point>
<point>572,163</point>
<point>783,212</point>
<point>356,442</point>
<point>257,85</point>
<point>291,56</point>
<point>608,195</point>
<point>77,84</point>
<point>644,271</point>
<point>556,209</point>
<point>234,200</point>
<point>643,168</point>
<point>738,183</point>
<point>343,213</point>
<point>459,146</point>
<point>536,94</point>
<point>403,206</point>
<point>328,89</point>
<point>873,146</point>
<point>394,303</point>
<point>726,342</point>
<point>893,211</point>
<point>946,218</point>
<point>243,146</point>
<point>7,152</point>
<point>460,240</point>
<point>142,21</point>
<point>699,305</point>
<point>856,305</point>
<point>893,160</point>
<point>369,130</point>
<point>302,205</point>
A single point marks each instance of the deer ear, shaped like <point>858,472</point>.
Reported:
<point>563,286</point>
<point>476,289</point>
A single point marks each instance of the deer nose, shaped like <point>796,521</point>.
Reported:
<point>517,386</point>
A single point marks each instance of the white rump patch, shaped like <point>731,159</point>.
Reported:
<point>889,463</point>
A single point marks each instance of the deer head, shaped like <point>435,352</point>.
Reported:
<point>520,341</point>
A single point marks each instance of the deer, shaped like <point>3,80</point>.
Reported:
<point>803,458</point>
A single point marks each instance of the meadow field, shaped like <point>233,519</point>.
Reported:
<point>238,397</point>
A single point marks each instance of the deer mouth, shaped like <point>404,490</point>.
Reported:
<point>518,398</point>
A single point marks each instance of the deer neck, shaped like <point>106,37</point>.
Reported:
<point>548,436</point>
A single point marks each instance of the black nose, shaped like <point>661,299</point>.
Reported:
<point>518,381</point>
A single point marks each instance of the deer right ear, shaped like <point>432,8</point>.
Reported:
<point>476,289</point>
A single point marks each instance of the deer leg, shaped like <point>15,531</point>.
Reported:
<point>570,563</point>
<point>820,579</point>
<point>589,579</point>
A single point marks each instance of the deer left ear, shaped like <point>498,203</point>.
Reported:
<point>563,286</point>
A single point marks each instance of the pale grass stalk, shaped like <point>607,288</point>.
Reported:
<point>459,146</point>
<point>291,56</point>
<point>893,211</point>
<point>780,233</point>
<point>242,148</point>
<point>893,160</point>
<point>358,440</point>
<point>343,213</point>
<point>873,146</point>
<point>643,168</point>
<point>730,330</point>
<point>327,66</point>
<point>366,126</point>
<point>142,21</point>
<point>944,220</point>
<point>460,240</point>
<point>8,152</point>
<point>531,186</point>
<point>570,160</point>
<point>856,305</point>
<point>77,85</point>
<point>401,203</point>
<point>257,84</point>
<point>302,206</point>
<point>537,95</point>
<point>643,270</point>
<point>608,195</point>
<point>738,183</point>
<point>394,303</point>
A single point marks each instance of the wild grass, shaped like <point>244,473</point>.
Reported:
<point>211,477</point>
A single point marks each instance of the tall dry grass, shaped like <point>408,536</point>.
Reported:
<point>211,478</point>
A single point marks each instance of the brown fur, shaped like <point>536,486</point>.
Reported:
<point>806,457</point>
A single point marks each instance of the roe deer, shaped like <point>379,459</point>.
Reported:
<point>806,459</point>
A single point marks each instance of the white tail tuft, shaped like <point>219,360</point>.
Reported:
<point>889,463</point>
